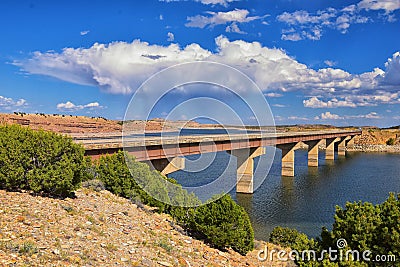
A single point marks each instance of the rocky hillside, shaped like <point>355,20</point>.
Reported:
<point>62,123</point>
<point>85,125</point>
<point>100,229</point>
<point>376,136</point>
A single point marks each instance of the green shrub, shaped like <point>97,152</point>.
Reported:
<point>390,141</point>
<point>113,171</point>
<point>363,225</point>
<point>370,227</point>
<point>39,161</point>
<point>225,224</point>
<point>290,238</point>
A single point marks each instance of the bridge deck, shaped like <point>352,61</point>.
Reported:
<point>104,141</point>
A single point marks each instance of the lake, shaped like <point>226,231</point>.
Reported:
<point>307,201</point>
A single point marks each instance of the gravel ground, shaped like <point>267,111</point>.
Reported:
<point>100,229</point>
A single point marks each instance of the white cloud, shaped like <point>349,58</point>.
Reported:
<point>161,17</point>
<point>329,116</point>
<point>330,63</point>
<point>69,106</point>
<point>121,67</point>
<point>371,115</point>
<point>171,37</point>
<point>84,32</point>
<point>305,25</point>
<point>297,118</point>
<point>303,17</point>
<point>279,105</point>
<point>392,74</point>
<point>206,2</point>
<point>234,28</point>
<point>220,18</point>
<point>215,2</point>
<point>7,103</point>
<point>292,37</point>
<point>314,102</point>
<point>387,5</point>
<point>272,94</point>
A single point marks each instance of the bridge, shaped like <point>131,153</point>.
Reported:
<point>166,153</point>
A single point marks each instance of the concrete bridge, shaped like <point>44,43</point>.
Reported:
<point>166,153</point>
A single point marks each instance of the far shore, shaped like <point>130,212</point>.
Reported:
<point>374,148</point>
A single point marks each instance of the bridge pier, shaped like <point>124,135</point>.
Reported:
<point>245,165</point>
<point>168,165</point>
<point>288,158</point>
<point>342,145</point>
<point>330,148</point>
<point>313,152</point>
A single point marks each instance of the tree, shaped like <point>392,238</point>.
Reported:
<point>225,224</point>
<point>39,161</point>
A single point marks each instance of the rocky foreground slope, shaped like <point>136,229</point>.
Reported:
<point>100,229</point>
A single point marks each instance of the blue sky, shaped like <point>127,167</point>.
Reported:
<point>328,62</point>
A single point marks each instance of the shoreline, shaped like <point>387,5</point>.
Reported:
<point>374,148</point>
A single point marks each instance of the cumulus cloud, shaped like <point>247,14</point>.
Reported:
<point>121,67</point>
<point>220,18</point>
<point>314,102</point>
<point>171,37</point>
<point>69,106</point>
<point>8,103</point>
<point>84,32</point>
<point>392,74</point>
<point>329,116</point>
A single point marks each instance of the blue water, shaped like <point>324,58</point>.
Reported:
<point>307,201</point>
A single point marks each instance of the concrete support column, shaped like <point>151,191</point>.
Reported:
<point>350,141</point>
<point>245,165</point>
<point>168,165</point>
<point>288,158</point>
<point>313,152</point>
<point>342,146</point>
<point>330,148</point>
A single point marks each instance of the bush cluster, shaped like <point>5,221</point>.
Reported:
<point>39,161</point>
<point>363,225</point>
<point>391,141</point>
<point>222,222</point>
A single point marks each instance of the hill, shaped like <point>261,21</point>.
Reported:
<point>99,229</point>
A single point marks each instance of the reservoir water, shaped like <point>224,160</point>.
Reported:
<point>307,201</point>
